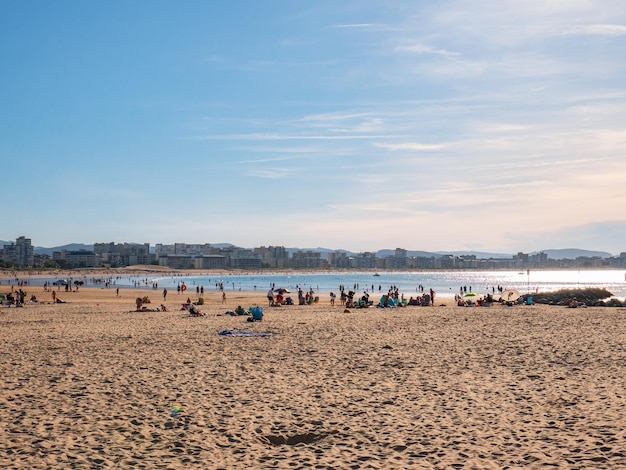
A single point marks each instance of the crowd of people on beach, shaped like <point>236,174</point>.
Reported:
<point>276,297</point>
<point>393,298</point>
<point>17,298</point>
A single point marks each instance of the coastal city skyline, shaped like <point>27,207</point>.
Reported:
<point>84,245</point>
<point>364,125</point>
<point>23,254</point>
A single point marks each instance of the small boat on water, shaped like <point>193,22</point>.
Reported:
<point>376,275</point>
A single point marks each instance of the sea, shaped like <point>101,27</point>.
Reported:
<point>444,283</point>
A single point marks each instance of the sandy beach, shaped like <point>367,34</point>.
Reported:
<point>92,384</point>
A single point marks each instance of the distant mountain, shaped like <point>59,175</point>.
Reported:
<point>324,251</point>
<point>40,250</point>
<point>573,253</point>
<point>222,245</point>
<point>411,254</point>
<point>478,254</point>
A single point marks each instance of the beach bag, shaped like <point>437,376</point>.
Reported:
<point>257,313</point>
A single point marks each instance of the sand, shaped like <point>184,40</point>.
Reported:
<point>91,384</point>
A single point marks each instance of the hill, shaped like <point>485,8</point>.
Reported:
<point>573,253</point>
<point>40,250</point>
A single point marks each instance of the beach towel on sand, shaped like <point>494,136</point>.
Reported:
<point>247,334</point>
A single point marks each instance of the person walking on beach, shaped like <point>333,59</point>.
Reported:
<point>223,297</point>
<point>270,296</point>
<point>164,294</point>
<point>432,297</point>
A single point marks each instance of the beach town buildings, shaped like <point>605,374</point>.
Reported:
<point>21,252</point>
<point>77,258</point>
<point>366,260</point>
<point>162,250</point>
<point>273,256</point>
<point>210,262</point>
<point>307,260</point>
<point>189,256</point>
<point>104,254</point>
<point>123,254</point>
<point>175,261</point>
<point>205,256</point>
<point>399,260</point>
<point>241,258</point>
<point>183,256</point>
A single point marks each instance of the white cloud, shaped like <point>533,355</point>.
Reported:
<point>260,136</point>
<point>374,27</point>
<point>594,30</point>
<point>277,173</point>
<point>410,146</point>
<point>333,117</point>
<point>424,49</point>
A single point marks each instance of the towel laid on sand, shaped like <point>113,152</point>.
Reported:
<point>244,333</point>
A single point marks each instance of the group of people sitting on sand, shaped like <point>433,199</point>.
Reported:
<point>394,299</point>
<point>280,299</point>
<point>349,301</point>
<point>391,299</point>
<point>16,298</point>
<point>10,299</point>
<point>307,298</point>
<point>142,308</point>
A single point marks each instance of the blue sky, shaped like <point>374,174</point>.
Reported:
<point>362,125</point>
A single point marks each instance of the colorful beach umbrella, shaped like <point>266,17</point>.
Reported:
<point>510,295</point>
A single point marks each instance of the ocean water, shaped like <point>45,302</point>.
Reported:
<point>444,283</point>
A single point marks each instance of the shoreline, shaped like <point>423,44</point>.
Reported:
<point>148,269</point>
<point>446,284</point>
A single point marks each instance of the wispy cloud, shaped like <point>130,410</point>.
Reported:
<point>335,116</point>
<point>425,49</point>
<point>265,160</point>
<point>376,27</point>
<point>593,30</point>
<point>290,137</point>
<point>278,173</point>
<point>278,149</point>
<point>415,146</point>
